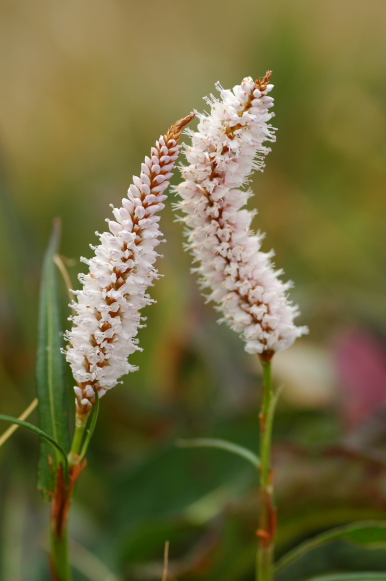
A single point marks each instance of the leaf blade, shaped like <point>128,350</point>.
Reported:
<point>368,534</point>
<point>222,445</point>
<point>39,432</point>
<point>50,372</point>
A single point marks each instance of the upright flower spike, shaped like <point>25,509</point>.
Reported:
<point>225,150</point>
<point>107,308</point>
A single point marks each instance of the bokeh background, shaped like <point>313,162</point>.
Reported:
<point>86,87</point>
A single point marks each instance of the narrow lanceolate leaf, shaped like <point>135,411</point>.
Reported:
<point>367,534</point>
<point>35,430</point>
<point>223,445</point>
<point>50,372</point>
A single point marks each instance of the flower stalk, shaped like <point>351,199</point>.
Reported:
<point>267,526</point>
<point>107,317</point>
<point>241,279</point>
<point>226,148</point>
<point>60,507</point>
<point>80,427</point>
<point>60,562</point>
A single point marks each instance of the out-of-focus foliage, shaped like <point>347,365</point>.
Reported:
<point>86,88</point>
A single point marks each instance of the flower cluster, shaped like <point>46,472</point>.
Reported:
<point>107,309</point>
<point>225,150</point>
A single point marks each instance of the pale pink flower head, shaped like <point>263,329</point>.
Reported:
<point>226,148</point>
<point>108,307</point>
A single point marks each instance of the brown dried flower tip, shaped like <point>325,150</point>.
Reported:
<point>262,84</point>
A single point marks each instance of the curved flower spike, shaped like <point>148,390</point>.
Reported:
<point>225,150</point>
<point>107,308</point>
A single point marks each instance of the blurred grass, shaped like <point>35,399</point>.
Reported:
<point>86,87</point>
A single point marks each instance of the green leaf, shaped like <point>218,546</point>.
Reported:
<point>50,372</point>
<point>365,576</point>
<point>223,445</point>
<point>40,433</point>
<point>368,534</point>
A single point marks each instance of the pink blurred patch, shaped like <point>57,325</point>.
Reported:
<point>361,368</point>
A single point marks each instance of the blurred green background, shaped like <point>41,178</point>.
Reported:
<point>86,88</point>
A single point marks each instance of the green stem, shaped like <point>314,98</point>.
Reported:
<point>267,526</point>
<point>80,426</point>
<point>60,562</point>
<point>60,508</point>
